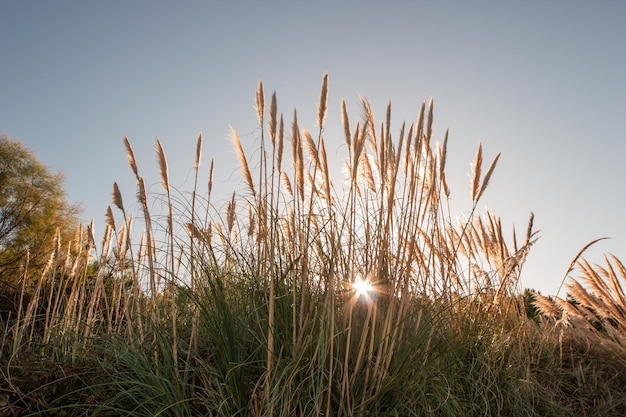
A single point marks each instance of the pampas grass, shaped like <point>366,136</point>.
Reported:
<point>249,308</point>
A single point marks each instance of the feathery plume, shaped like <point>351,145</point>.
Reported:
<point>272,124</point>
<point>162,160</point>
<point>117,197</point>
<point>230,214</point>
<point>281,144</point>
<point>243,160</point>
<point>545,306</point>
<point>488,176</point>
<point>326,175</point>
<point>369,123</point>
<point>581,296</point>
<point>407,153</point>
<point>346,123</point>
<point>294,138</point>
<point>286,229</point>
<point>442,166</point>
<point>286,183</point>
<point>419,130</point>
<point>477,169</point>
<point>311,148</point>
<point>252,222</point>
<point>298,158</point>
<point>366,172</point>
<point>91,235</point>
<point>529,229</point>
<point>322,107</point>
<point>572,264</point>
<point>388,123</point>
<point>131,156</point>
<point>208,234</point>
<point>211,175</point>
<point>443,153</point>
<point>121,241</point>
<point>429,127</point>
<point>198,152</point>
<point>193,231</point>
<point>109,219</point>
<point>614,281</point>
<point>357,149</point>
<point>142,196</point>
<point>106,240</point>
<point>260,103</point>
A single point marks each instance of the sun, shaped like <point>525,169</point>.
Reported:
<point>362,287</point>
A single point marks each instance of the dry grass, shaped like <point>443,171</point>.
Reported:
<point>595,303</point>
<point>252,311</point>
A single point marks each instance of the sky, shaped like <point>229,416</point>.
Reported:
<point>542,83</point>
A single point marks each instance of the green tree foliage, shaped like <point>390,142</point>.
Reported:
<point>33,206</point>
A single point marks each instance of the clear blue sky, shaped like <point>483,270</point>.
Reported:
<point>542,82</point>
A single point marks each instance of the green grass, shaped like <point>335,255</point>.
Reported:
<point>249,309</point>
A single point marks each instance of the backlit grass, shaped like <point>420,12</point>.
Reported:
<point>307,294</point>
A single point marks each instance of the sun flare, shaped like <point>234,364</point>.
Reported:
<point>362,287</point>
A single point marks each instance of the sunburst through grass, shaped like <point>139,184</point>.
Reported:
<point>363,288</point>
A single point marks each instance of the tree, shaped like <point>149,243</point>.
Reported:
<point>33,206</point>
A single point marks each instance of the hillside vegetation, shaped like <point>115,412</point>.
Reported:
<point>312,295</point>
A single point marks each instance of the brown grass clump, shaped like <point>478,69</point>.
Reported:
<point>595,303</point>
